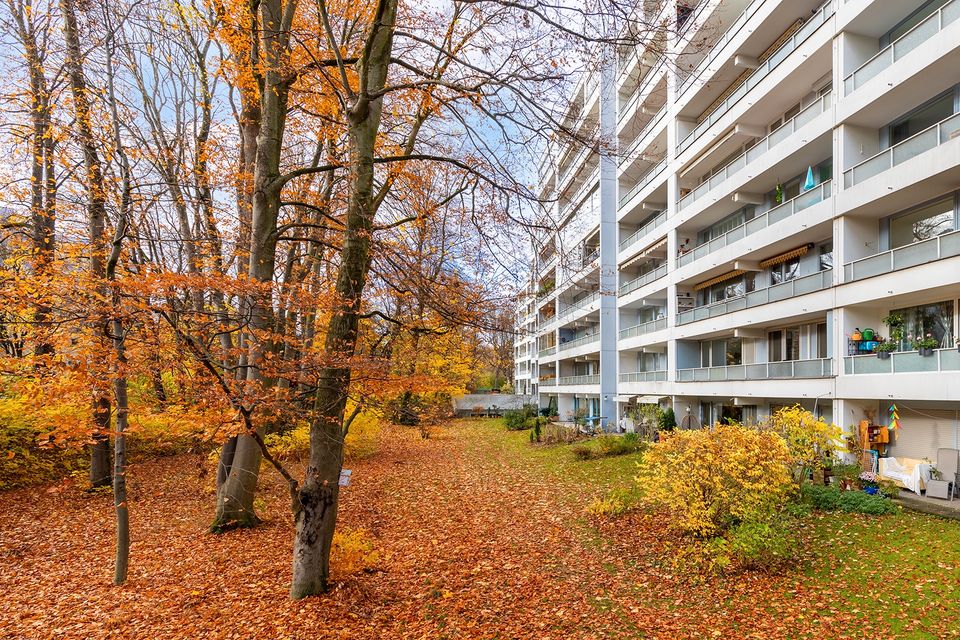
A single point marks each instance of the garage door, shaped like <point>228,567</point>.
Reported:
<point>923,431</point>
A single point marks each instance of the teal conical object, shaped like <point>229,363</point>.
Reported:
<point>809,182</point>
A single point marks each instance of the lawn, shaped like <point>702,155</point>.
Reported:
<point>479,535</point>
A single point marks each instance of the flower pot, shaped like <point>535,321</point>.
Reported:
<point>926,352</point>
<point>871,491</point>
<point>883,355</point>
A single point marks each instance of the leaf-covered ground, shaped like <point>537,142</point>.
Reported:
<point>480,536</point>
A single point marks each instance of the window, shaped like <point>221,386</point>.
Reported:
<point>785,272</point>
<point>918,120</point>
<point>911,21</point>
<point>775,346</point>
<point>719,353</point>
<point>935,319</point>
<point>730,222</point>
<point>822,340</point>
<point>922,224</point>
<point>783,344</point>
<point>826,256</point>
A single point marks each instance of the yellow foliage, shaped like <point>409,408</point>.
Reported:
<point>712,479</point>
<point>352,551</point>
<point>810,440</point>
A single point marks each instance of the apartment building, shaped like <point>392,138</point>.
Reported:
<point>787,177</point>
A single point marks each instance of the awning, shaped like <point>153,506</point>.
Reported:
<point>625,398</point>
<point>783,257</point>
<point>712,281</point>
<point>645,253</point>
<point>649,399</point>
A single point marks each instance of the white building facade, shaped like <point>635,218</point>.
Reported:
<point>786,177</point>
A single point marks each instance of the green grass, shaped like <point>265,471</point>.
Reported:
<point>902,570</point>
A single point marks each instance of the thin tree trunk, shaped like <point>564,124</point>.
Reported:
<point>316,514</point>
<point>96,214</point>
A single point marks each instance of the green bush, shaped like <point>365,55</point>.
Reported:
<point>519,419</point>
<point>762,545</point>
<point>832,499</point>
<point>581,451</point>
<point>619,445</point>
<point>666,419</point>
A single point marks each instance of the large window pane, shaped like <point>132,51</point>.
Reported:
<point>919,120</point>
<point>925,223</point>
<point>935,319</point>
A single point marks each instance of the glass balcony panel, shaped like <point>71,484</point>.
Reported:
<point>914,254</point>
<point>949,359</point>
<point>914,146</point>
<point>915,37</point>
<point>912,362</point>
<point>717,373</point>
<point>736,372</point>
<point>949,245</point>
<point>870,364</point>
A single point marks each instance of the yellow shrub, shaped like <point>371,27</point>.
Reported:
<point>810,440</point>
<point>352,551</point>
<point>710,480</point>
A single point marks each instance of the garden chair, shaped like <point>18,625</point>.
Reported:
<point>946,486</point>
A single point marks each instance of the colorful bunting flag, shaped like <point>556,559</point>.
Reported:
<point>894,417</point>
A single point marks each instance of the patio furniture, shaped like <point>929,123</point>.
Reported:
<point>946,486</point>
<point>907,472</point>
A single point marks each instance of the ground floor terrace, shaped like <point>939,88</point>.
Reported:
<point>502,547</point>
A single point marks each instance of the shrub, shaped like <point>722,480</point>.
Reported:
<point>352,551</point>
<point>832,499</point>
<point>710,480</point>
<point>666,419</point>
<point>555,433</point>
<point>612,505</point>
<point>810,440</point>
<point>620,445</point>
<point>581,451</point>
<point>518,419</point>
<point>821,497</point>
<point>762,545</point>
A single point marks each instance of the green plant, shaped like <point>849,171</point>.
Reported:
<point>581,451</point>
<point>619,445</point>
<point>778,194</point>
<point>580,416</point>
<point>894,322</point>
<point>666,419</point>
<point>832,499</point>
<point>887,346</point>
<point>519,419</point>
<point>888,488</point>
<point>927,342</point>
<point>845,474</point>
<point>763,545</point>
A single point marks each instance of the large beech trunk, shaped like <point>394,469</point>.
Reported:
<point>316,511</point>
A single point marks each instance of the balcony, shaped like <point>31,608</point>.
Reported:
<point>578,307</point>
<point>796,287</point>
<point>903,362</point>
<point>644,180</point>
<point>644,230</point>
<point>933,24</point>
<point>643,327</point>
<point>780,212</point>
<point>644,376</point>
<point>928,139</point>
<point>911,255</point>
<point>647,278</point>
<point>651,125</point>
<point>754,153</point>
<point>649,81</point>
<point>548,382</point>
<point>579,380</point>
<point>549,351</point>
<point>816,368</point>
<point>579,342</point>
<point>771,63</point>
<point>717,48</point>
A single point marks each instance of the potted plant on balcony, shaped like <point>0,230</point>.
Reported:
<point>926,344</point>
<point>884,348</point>
<point>894,323</point>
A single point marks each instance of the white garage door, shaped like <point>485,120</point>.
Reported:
<point>924,431</point>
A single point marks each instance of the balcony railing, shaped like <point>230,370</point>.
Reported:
<point>717,48</point>
<point>903,362</point>
<point>574,380</point>
<point>644,180</point>
<point>913,146</point>
<point>762,221</point>
<point>911,255</point>
<point>817,368</point>
<point>579,342</point>
<point>643,376</point>
<point>643,327</point>
<point>548,382</point>
<point>653,123</point>
<point>641,90</point>
<point>755,152</point>
<point>549,351</point>
<point>578,306</point>
<point>645,279</point>
<point>644,230</point>
<point>931,25</point>
<point>771,63</point>
<point>782,291</point>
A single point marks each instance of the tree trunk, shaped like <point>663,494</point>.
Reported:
<point>96,216</point>
<point>316,514</point>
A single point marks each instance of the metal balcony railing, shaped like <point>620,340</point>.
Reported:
<point>717,48</point>
<point>754,153</point>
<point>796,287</point>
<point>579,342</point>
<point>644,230</point>
<point>577,307</point>
<point>548,382</point>
<point>780,212</point>
<point>929,27</point>
<point>643,376</point>
<point>816,368</point>
<point>644,180</point>
<point>575,380</point>
<point>911,255</point>
<point>643,327</point>
<point>903,362</point>
<point>771,63</point>
<point>647,278</point>
<point>928,139</point>
<point>549,351</point>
